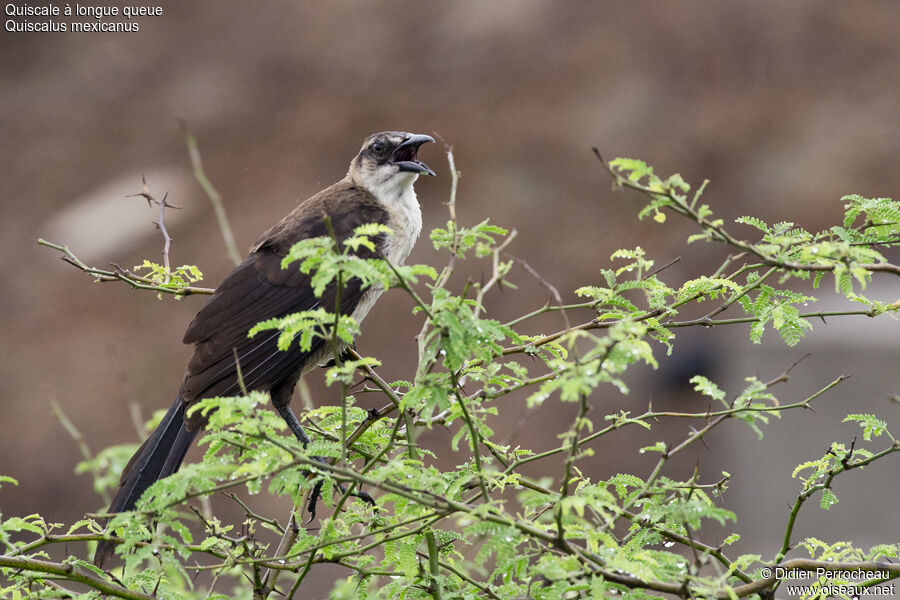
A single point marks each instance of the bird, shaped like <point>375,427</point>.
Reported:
<point>378,188</point>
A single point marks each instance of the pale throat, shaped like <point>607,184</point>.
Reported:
<point>405,220</point>
<point>397,195</point>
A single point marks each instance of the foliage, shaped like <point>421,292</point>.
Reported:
<point>171,279</point>
<point>484,528</point>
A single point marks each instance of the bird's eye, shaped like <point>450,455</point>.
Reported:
<point>378,147</point>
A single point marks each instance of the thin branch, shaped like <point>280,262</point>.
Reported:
<point>214,197</point>
<point>434,588</point>
<point>335,339</point>
<point>652,415</point>
<point>71,573</point>
<point>497,273</point>
<point>571,455</point>
<point>79,440</point>
<point>258,517</point>
<point>447,271</point>
<point>718,232</point>
<point>702,321</point>
<point>161,223</point>
<point>291,531</point>
<point>562,308</point>
<point>802,497</point>
<point>135,281</point>
<point>474,437</point>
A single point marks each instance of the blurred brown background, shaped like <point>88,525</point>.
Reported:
<point>785,107</point>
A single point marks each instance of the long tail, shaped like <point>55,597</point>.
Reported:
<point>158,457</point>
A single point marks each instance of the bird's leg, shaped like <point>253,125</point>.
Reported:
<point>294,425</point>
<point>292,422</point>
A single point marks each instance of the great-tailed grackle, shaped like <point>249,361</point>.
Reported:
<point>378,188</point>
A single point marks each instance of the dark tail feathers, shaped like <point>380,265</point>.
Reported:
<point>158,457</point>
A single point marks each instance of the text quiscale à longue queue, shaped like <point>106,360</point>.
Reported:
<point>97,12</point>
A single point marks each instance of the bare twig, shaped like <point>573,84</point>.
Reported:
<point>214,197</point>
<point>161,223</point>
<point>291,531</point>
<point>553,291</point>
<point>75,434</point>
<point>497,272</point>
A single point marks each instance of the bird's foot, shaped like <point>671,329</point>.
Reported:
<point>317,493</point>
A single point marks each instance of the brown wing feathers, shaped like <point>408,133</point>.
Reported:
<point>260,289</point>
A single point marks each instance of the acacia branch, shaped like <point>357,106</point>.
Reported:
<point>704,321</point>
<point>135,281</point>
<point>434,588</point>
<point>447,506</point>
<point>718,232</point>
<point>71,573</point>
<point>841,467</point>
<point>651,415</point>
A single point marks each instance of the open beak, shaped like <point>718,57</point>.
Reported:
<point>406,157</point>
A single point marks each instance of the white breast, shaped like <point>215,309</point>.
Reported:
<point>405,221</point>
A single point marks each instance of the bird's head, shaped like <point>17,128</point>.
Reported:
<point>388,162</point>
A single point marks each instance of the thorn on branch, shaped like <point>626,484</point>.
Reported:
<point>160,224</point>
<point>66,259</point>
<point>550,287</point>
<point>121,270</point>
<point>845,462</point>
<point>662,268</point>
<point>785,375</point>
